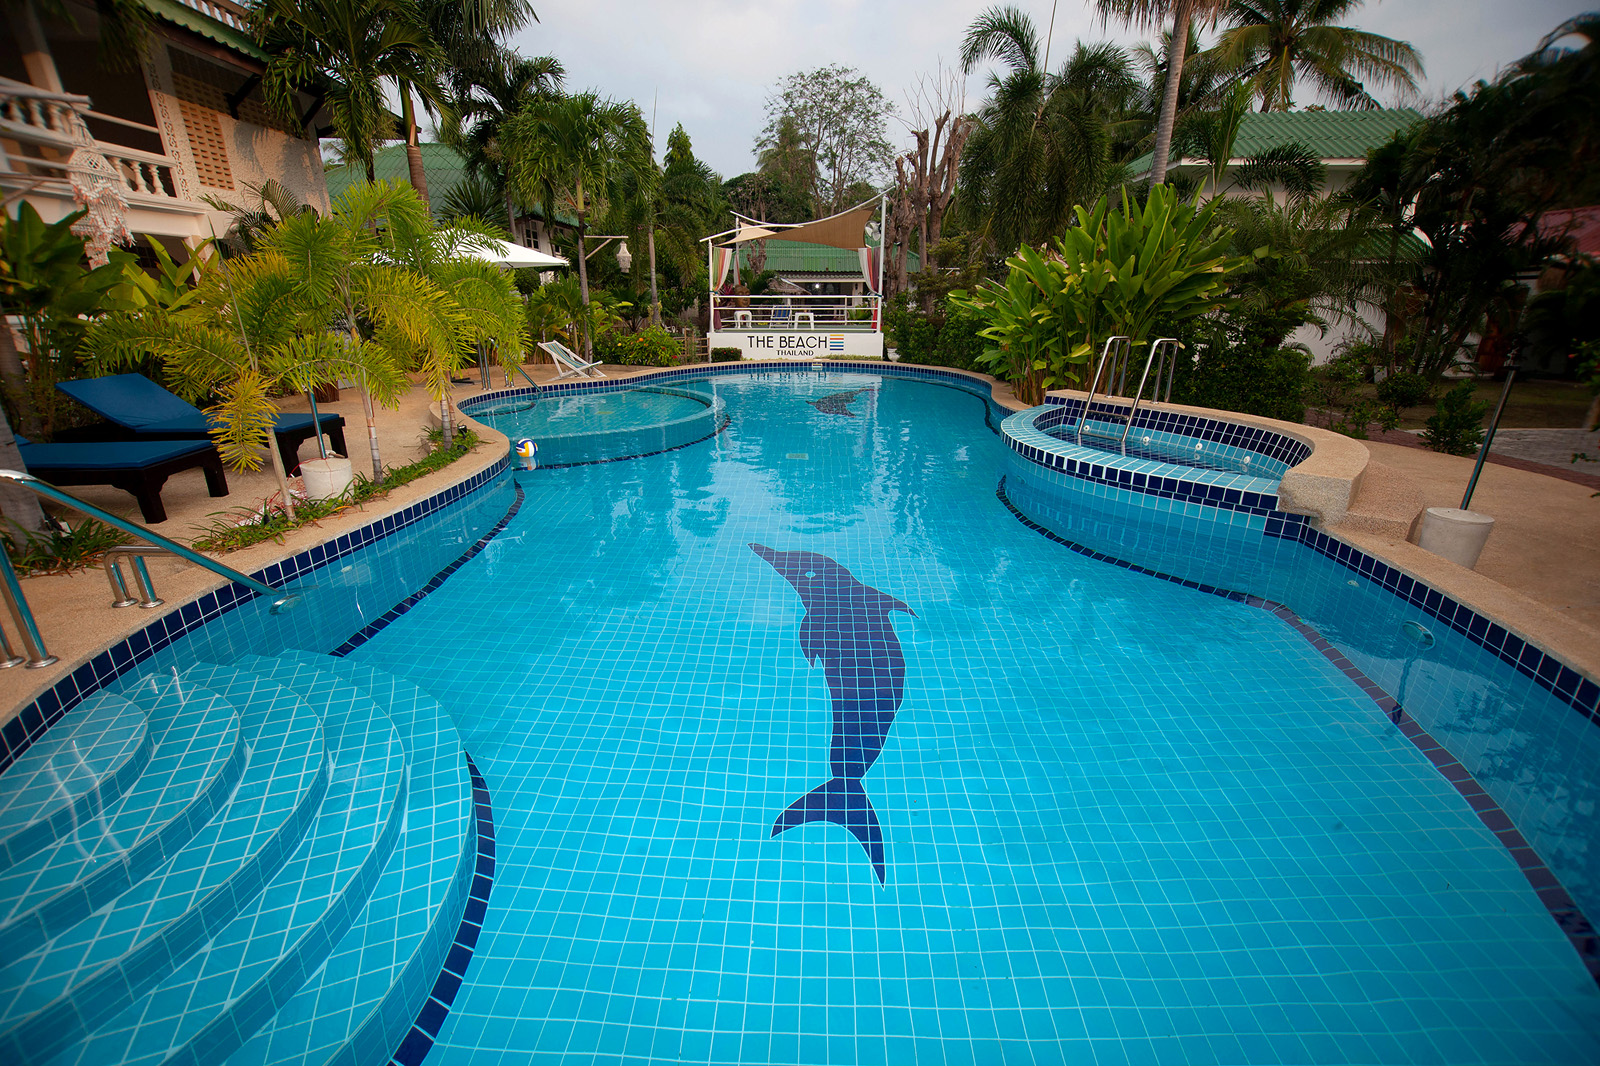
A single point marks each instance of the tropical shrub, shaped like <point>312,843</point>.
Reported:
<point>1119,271</point>
<point>1456,425</point>
<point>1234,367</point>
<point>59,548</point>
<point>948,337</point>
<point>44,282</point>
<point>653,346</point>
<point>726,355</point>
<point>1405,389</point>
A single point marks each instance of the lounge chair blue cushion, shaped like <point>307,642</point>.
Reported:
<point>107,455</point>
<point>135,402</point>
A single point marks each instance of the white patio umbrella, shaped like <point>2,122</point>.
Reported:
<point>507,254</point>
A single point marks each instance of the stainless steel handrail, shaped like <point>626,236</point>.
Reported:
<point>11,589</point>
<point>141,574</point>
<point>1156,360</point>
<point>1106,357</point>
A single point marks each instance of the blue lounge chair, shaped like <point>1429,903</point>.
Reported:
<point>149,412</point>
<point>136,466</point>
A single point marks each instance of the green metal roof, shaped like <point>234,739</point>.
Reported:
<point>206,26</point>
<point>794,257</point>
<point>443,165</point>
<point>1330,134</point>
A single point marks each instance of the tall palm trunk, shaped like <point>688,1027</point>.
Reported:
<point>1169,95</point>
<point>583,284</point>
<point>655,297</point>
<point>14,379</point>
<point>419,178</point>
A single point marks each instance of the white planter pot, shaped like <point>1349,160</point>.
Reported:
<point>1455,534</point>
<point>326,478</point>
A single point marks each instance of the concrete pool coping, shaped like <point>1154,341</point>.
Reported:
<point>77,623</point>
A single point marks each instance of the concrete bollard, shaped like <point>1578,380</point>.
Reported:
<point>1455,534</point>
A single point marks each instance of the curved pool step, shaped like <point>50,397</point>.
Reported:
<point>100,965</point>
<point>199,756</point>
<point>81,766</point>
<point>359,1006</point>
<point>204,1009</point>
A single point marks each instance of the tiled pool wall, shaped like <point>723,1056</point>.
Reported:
<point>1260,452</point>
<point>348,582</point>
<point>1524,724</point>
<point>978,387</point>
<point>604,445</point>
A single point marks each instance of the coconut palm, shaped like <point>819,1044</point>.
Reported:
<point>482,96</point>
<point>574,152</point>
<point>468,35</point>
<point>1274,43</point>
<point>348,48</point>
<point>1043,142</point>
<point>1148,14</point>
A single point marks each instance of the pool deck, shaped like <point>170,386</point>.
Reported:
<point>1540,574</point>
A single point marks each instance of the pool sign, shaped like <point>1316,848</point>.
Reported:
<point>799,344</point>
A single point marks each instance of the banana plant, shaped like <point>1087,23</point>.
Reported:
<point>1120,271</point>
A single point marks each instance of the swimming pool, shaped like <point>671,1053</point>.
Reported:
<point>1118,818</point>
<point>603,422</point>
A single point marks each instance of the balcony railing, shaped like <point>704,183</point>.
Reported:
<point>48,127</point>
<point>832,314</point>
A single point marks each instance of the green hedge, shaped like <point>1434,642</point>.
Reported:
<point>726,355</point>
<point>949,337</point>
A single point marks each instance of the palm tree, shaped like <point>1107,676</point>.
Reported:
<point>1275,43</point>
<point>1148,14</point>
<point>574,152</point>
<point>482,96</point>
<point>1043,142</point>
<point>348,48</point>
<point>468,34</point>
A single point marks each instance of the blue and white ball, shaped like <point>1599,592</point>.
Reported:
<point>526,449</point>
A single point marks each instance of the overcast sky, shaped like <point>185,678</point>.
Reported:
<point>711,64</point>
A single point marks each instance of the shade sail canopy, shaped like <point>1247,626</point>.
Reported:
<point>507,254</point>
<point>847,230</point>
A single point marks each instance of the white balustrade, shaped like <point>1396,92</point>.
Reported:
<point>55,123</point>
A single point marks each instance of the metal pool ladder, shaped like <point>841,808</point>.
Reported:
<point>1115,357</point>
<point>1161,360</point>
<point>17,603</point>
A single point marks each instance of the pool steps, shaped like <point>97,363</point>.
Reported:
<point>126,948</point>
<point>68,779</point>
<point>198,758</point>
<point>285,869</point>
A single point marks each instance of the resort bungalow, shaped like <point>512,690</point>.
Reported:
<point>1340,139</point>
<point>145,143</point>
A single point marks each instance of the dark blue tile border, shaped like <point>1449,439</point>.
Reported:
<point>1258,439</point>
<point>425,1029</point>
<point>377,625</point>
<point>1543,880</point>
<point>31,722</point>
<point>1560,679</point>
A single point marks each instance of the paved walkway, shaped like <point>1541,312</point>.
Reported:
<point>1538,451</point>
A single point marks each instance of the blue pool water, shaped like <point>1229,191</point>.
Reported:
<point>1120,820</point>
<point>1108,440</point>
<point>593,412</point>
